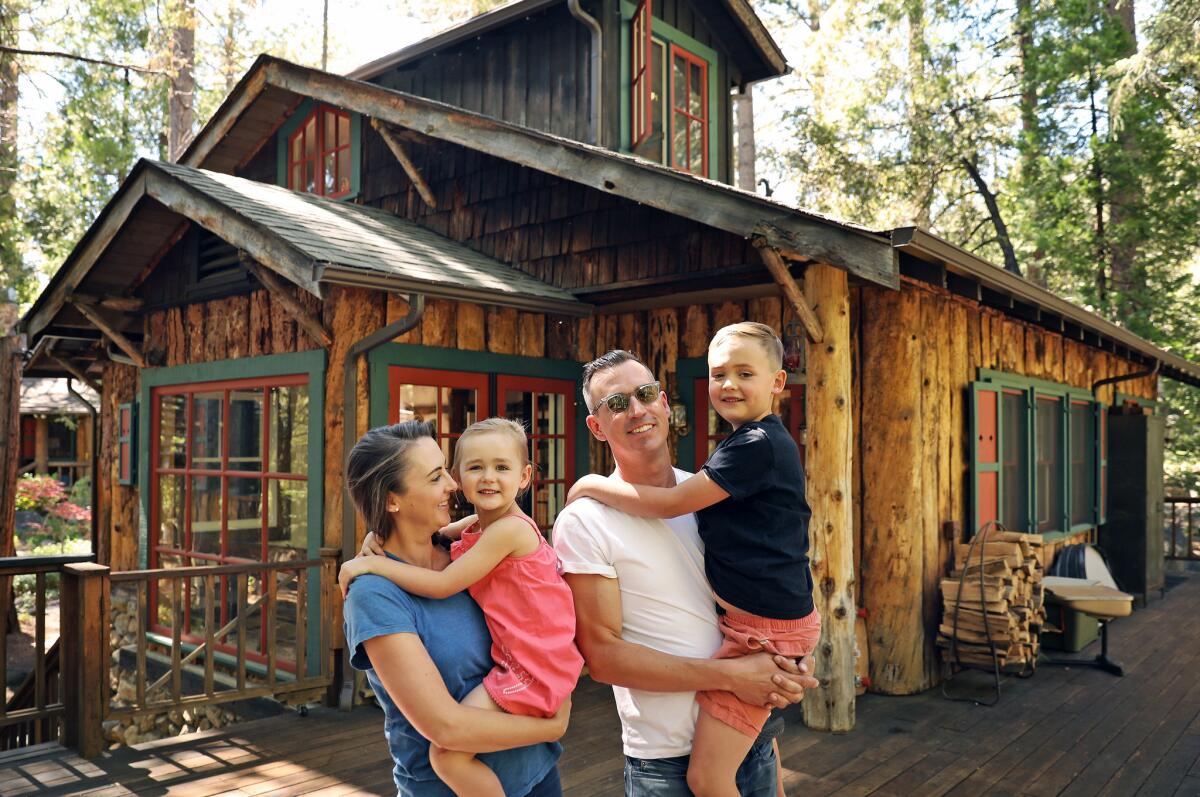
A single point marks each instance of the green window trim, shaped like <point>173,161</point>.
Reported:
<point>127,443</point>
<point>294,121</point>
<point>1120,399</point>
<point>313,363</point>
<point>478,362</point>
<point>687,370</point>
<point>670,35</point>
<point>1063,394</point>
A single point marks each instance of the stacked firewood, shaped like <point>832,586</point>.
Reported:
<point>1003,612</point>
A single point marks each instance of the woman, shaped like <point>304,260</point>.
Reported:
<point>422,656</point>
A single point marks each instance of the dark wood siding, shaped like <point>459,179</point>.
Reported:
<point>533,73</point>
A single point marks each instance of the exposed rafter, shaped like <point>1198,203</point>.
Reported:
<point>307,321</point>
<point>110,331</point>
<point>783,278</point>
<point>410,168</point>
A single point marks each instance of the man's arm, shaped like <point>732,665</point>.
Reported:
<point>760,679</point>
<point>640,500</point>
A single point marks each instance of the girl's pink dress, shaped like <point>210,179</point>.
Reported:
<point>531,617</point>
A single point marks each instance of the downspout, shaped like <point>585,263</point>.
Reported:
<point>416,308</point>
<point>95,523</point>
<point>1112,380</point>
<point>595,114</point>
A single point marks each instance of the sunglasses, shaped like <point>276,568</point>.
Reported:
<point>619,402</point>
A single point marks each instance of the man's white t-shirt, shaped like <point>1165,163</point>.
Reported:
<point>666,605</point>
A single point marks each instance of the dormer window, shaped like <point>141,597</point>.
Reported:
<point>671,93</point>
<point>319,151</point>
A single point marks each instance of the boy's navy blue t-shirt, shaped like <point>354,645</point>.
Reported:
<point>756,540</point>
<point>456,637</point>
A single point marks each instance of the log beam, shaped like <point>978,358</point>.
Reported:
<point>110,331</point>
<point>410,168</point>
<point>783,277</point>
<point>124,304</point>
<point>279,292</point>
<point>829,480</point>
<point>77,372</point>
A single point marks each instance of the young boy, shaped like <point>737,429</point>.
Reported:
<point>753,518</point>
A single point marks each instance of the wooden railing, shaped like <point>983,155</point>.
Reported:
<point>1181,515</point>
<point>38,709</point>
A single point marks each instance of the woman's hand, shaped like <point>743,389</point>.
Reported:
<point>583,488</point>
<point>371,546</point>
<point>358,566</point>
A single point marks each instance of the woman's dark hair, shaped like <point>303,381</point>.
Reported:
<point>377,465</point>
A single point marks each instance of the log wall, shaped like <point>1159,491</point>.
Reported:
<point>918,350</point>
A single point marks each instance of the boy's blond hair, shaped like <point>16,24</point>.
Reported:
<point>761,333</point>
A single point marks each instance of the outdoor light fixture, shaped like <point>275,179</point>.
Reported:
<point>793,352</point>
<point>679,422</point>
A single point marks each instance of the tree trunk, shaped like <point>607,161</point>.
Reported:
<point>743,105</point>
<point>925,176</point>
<point>182,91</point>
<point>1030,145</point>
<point>10,450</point>
<point>1123,210</point>
<point>11,266</point>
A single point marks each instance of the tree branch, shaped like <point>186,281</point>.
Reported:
<point>989,198</point>
<point>71,56</point>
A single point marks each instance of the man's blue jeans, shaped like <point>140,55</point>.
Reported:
<point>667,777</point>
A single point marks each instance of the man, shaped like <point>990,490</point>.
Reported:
<point>645,618</point>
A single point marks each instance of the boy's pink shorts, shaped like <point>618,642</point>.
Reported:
<point>746,634</point>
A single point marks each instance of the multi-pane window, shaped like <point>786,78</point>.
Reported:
<point>689,111</point>
<point>229,484</point>
<point>1038,459</point>
<point>712,428</point>
<point>453,400</point>
<point>319,153</point>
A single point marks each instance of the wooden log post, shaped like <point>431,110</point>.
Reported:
<point>84,655</point>
<point>10,452</point>
<point>828,476</point>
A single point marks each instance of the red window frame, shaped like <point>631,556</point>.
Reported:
<point>679,107</point>
<point>565,388</point>
<point>640,85</point>
<point>188,472</point>
<point>796,420</point>
<point>322,150</point>
<point>428,377</point>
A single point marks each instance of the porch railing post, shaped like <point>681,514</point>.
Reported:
<point>84,626</point>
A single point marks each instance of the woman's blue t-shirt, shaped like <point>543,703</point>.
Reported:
<point>456,637</point>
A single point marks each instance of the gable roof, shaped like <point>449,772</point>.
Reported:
<point>43,395</point>
<point>308,239</point>
<point>272,84</point>
<point>760,58</point>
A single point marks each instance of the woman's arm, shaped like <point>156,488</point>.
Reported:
<point>503,538</point>
<point>641,500</point>
<point>416,687</point>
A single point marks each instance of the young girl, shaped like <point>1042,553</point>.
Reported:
<point>512,573</point>
<point>753,518</point>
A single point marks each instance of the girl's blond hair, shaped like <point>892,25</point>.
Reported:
<point>502,425</point>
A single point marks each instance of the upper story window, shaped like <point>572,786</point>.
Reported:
<point>671,95</point>
<point>319,151</point>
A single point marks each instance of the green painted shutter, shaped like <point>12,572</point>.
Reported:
<point>985,454</point>
<point>127,444</point>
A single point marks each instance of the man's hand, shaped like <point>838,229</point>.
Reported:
<point>765,680</point>
<point>358,566</point>
<point>582,486</point>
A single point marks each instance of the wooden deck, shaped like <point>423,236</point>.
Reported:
<point>1073,731</point>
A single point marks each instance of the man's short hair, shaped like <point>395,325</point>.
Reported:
<point>610,359</point>
<point>763,334</point>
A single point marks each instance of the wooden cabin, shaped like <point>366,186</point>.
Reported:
<point>432,237</point>
<point>56,429</point>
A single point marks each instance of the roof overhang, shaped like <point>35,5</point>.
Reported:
<point>798,234</point>
<point>972,276</point>
<point>768,59</point>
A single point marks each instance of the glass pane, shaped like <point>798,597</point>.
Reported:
<point>206,514</point>
<point>170,511</point>
<point>206,429</point>
<point>328,176</point>
<point>1049,476</point>
<point>1081,464</point>
<point>343,127</point>
<point>287,521</point>
<point>286,584</point>
<point>458,409</point>
<point>696,147</point>
<point>330,129</point>
<point>310,176</point>
<point>1014,451</point>
<point>679,83</point>
<point>172,431</point>
<point>310,139</point>
<point>551,416</point>
<point>548,501</point>
<point>295,182</point>
<point>679,154</point>
<point>696,91</point>
<point>244,527</point>
<point>550,458</point>
<point>343,171</point>
<point>289,430</point>
<point>418,403</point>
<point>195,597</point>
<point>245,429</point>
<point>518,405</point>
<point>717,425</point>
